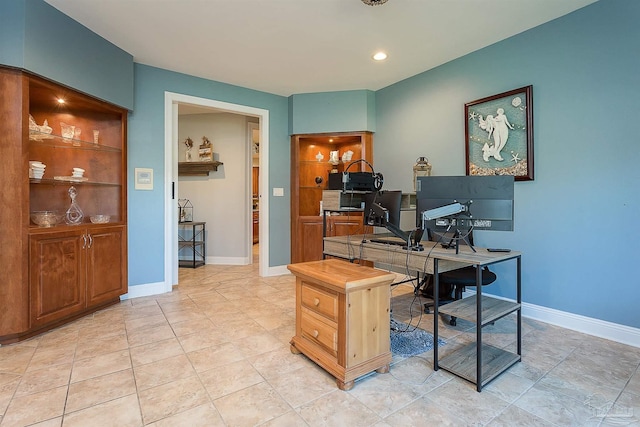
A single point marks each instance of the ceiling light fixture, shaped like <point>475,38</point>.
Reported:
<point>380,56</point>
<point>374,2</point>
<point>61,101</point>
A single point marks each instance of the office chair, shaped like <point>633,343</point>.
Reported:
<point>454,281</point>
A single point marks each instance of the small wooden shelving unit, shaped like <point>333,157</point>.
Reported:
<point>197,168</point>
<point>191,238</point>
<point>477,362</point>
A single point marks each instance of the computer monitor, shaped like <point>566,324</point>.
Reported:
<point>487,202</point>
<point>382,208</point>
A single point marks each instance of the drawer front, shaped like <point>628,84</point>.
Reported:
<point>321,302</point>
<point>319,332</point>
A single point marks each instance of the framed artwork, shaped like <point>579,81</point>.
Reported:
<point>499,134</point>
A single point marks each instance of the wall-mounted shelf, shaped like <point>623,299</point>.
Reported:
<point>197,168</point>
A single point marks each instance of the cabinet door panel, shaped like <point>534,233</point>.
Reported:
<point>344,225</point>
<point>56,276</point>
<point>309,245</point>
<point>106,265</point>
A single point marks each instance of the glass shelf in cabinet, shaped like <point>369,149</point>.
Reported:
<point>50,181</point>
<point>57,141</point>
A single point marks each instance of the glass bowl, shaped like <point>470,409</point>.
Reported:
<point>100,219</point>
<point>45,218</point>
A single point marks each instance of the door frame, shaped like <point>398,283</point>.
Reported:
<point>171,102</point>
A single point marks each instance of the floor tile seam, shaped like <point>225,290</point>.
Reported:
<point>213,400</point>
<point>296,408</point>
<point>412,384</point>
<point>3,416</point>
<point>522,409</point>
<point>425,397</point>
<point>97,376</point>
<point>396,409</point>
<point>22,379</point>
<point>65,413</point>
<point>164,383</point>
<point>79,358</point>
<point>515,402</point>
<point>13,396</point>
<point>621,389</point>
<point>292,410</point>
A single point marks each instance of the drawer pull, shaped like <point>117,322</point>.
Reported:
<point>315,333</point>
<point>316,302</point>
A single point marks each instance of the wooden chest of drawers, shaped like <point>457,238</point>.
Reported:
<point>342,318</point>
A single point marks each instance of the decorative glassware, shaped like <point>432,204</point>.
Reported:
<point>74,214</point>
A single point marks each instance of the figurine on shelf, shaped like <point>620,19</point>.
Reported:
<point>205,153</point>
<point>189,143</point>
<point>334,160</point>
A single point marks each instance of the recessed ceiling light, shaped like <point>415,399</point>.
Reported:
<point>380,56</point>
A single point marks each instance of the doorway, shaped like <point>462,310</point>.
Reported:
<point>172,102</point>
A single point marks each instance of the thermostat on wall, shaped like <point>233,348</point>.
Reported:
<point>143,179</point>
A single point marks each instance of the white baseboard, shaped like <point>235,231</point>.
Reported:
<point>587,325</point>
<point>221,260</point>
<point>278,270</point>
<point>146,290</point>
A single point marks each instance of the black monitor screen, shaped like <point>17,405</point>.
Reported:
<point>489,200</point>
<point>389,200</point>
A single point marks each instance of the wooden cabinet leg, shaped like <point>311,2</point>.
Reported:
<point>294,350</point>
<point>344,386</point>
<point>383,370</point>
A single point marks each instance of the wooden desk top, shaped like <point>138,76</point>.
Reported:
<point>352,247</point>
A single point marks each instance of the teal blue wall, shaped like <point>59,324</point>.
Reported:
<point>38,38</point>
<point>346,111</point>
<point>576,223</point>
<point>12,33</point>
<point>146,149</point>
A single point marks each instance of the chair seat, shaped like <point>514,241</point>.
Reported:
<point>467,277</point>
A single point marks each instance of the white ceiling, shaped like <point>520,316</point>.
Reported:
<point>288,47</point>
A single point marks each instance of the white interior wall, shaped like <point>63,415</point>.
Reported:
<point>221,198</point>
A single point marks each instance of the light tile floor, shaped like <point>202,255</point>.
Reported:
<point>215,352</point>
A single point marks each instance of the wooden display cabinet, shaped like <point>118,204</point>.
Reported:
<point>310,176</point>
<point>60,272</point>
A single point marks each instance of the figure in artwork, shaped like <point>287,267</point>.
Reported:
<point>498,128</point>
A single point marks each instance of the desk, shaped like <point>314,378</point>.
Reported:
<point>490,361</point>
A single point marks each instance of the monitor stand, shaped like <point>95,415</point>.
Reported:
<point>457,236</point>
